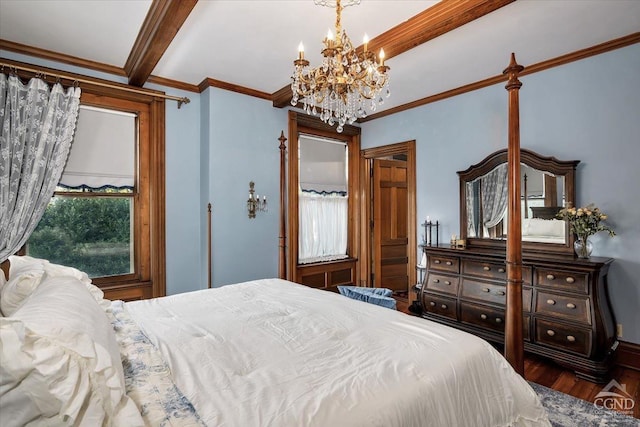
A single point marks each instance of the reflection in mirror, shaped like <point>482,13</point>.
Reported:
<point>323,199</point>
<point>547,185</point>
<point>543,195</point>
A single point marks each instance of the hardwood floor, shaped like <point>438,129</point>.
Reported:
<point>549,374</point>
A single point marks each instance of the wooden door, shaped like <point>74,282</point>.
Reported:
<point>390,225</point>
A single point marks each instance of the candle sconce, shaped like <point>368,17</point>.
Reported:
<point>254,204</point>
<point>428,232</point>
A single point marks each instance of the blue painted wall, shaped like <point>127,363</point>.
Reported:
<point>587,110</point>
<point>243,147</point>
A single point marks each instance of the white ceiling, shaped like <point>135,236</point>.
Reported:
<point>252,43</point>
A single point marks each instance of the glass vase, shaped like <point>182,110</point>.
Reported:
<point>583,247</point>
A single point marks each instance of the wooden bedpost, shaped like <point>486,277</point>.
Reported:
<point>209,262</point>
<point>282,251</point>
<point>514,343</point>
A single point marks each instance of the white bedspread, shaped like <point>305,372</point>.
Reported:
<point>273,353</point>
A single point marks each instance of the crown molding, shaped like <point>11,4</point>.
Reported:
<point>177,84</point>
<point>60,57</point>
<point>530,69</point>
<point>209,82</point>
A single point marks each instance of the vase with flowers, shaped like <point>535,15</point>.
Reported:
<point>584,222</point>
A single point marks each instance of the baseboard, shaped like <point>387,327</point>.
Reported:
<point>628,355</point>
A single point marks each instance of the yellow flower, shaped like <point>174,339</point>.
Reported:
<point>603,217</point>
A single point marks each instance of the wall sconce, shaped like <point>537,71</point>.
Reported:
<point>253,203</point>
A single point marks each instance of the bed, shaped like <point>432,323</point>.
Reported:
<point>543,230</point>
<point>260,353</point>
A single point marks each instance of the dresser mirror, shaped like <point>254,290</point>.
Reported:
<point>546,184</point>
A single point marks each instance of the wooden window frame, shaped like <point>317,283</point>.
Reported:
<point>149,277</point>
<point>301,123</point>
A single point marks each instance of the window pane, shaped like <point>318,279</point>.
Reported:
<point>92,234</point>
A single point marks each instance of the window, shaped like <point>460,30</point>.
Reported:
<point>107,215</point>
<point>337,264</point>
<point>323,200</point>
<point>89,222</point>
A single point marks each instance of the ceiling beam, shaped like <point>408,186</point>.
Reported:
<point>445,16</point>
<point>164,19</point>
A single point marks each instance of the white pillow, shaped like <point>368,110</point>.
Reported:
<point>3,281</point>
<point>545,227</point>
<point>61,362</point>
<point>22,264</point>
<point>22,282</point>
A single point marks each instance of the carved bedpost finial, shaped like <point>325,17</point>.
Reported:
<point>282,140</point>
<point>512,71</point>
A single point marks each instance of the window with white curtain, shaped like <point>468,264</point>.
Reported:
<point>323,200</point>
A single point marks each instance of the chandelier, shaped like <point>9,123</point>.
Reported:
<point>346,84</point>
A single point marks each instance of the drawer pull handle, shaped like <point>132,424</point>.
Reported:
<point>444,306</point>
<point>486,268</point>
<point>436,261</point>
<point>570,279</point>
<point>449,263</point>
<point>550,277</point>
<point>498,320</point>
<point>432,304</point>
<point>436,280</point>
<point>483,316</point>
<point>551,302</point>
<point>501,270</point>
<point>485,289</point>
<point>551,332</point>
<point>446,282</point>
<point>571,305</point>
<point>571,338</point>
<point>500,293</point>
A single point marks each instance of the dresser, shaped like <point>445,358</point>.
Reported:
<point>567,315</point>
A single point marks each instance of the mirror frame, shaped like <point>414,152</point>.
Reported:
<point>566,168</point>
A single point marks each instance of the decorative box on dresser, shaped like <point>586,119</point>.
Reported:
<point>567,315</point>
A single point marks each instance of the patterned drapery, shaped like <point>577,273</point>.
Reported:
<point>37,123</point>
<point>494,196</point>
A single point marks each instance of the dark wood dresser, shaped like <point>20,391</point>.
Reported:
<point>567,315</point>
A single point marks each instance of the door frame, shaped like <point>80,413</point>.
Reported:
<point>366,168</point>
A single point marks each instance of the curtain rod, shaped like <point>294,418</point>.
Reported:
<point>58,76</point>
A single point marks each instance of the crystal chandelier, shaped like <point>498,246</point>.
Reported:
<point>346,84</point>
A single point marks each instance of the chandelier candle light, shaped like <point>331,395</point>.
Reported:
<point>340,89</point>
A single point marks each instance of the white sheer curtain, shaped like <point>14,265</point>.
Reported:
<point>323,227</point>
<point>37,123</point>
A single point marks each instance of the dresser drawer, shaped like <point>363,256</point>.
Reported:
<point>493,271</point>
<point>497,271</point>
<point>443,283</point>
<point>492,293</point>
<point>444,263</point>
<point>489,318</point>
<point>441,306</point>
<point>558,279</point>
<point>573,308</point>
<point>563,337</point>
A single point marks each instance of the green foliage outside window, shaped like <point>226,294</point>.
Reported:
<point>92,234</point>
